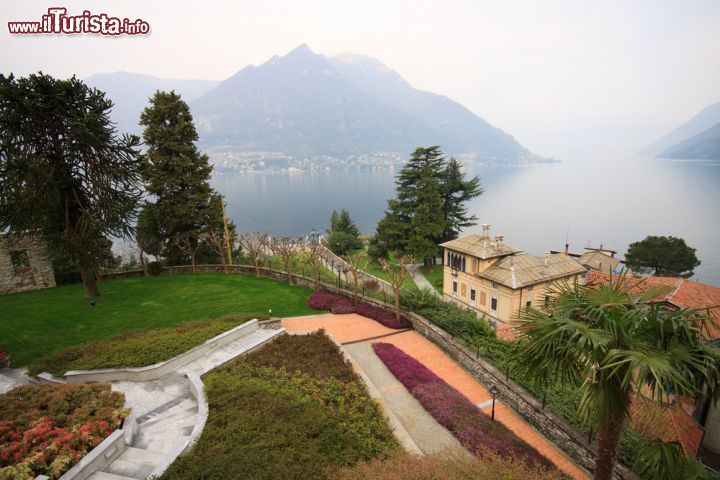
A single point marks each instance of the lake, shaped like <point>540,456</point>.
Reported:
<point>612,202</point>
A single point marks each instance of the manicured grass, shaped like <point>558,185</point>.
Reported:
<point>435,277</point>
<point>139,348</point>
<point>41,323</point>
<point>293,409</point>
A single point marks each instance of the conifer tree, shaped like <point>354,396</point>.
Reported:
<point>65,175</point>
<point>176,174</point>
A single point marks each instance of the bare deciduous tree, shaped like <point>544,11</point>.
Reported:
<point>286,248</point>
<point>255,244</point>
<point>357,264</point>
<point>215,239</point>
<point>313,254</point>
<point>396,276</point>
<point>189,244</point>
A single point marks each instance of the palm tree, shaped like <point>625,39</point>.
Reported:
<point>614,341</point>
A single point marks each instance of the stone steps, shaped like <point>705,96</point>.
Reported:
<point>108,476</point>
<point>135,463</point>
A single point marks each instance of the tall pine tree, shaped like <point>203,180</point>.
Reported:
<point>430,205</point>
<point>176,174</point>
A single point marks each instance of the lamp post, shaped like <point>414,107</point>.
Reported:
<point>494,392</point>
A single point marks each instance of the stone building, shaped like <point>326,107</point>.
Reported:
<point>24,264</point>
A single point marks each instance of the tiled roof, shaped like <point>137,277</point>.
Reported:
<point>598,261</point>
<point>479,246</point>
<point>668,423</point>
<point>522,270</point>
<point>683,293</point>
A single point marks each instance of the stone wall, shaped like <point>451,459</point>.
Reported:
<point>38,273</point>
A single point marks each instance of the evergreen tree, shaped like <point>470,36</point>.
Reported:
<point>176,174</point>
<point>663,256</point>
<point>456,192</point>
<point>429,207</point>
<point>343,234</point>
<point>64,173</point>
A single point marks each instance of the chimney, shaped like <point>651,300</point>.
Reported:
<point>547,256</point>
<point>501,238</point>
<point>486,230</point>
<point>567,248</point>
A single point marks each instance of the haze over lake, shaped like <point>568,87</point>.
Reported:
<point>611,201</point>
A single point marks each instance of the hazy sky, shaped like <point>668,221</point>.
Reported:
<point>570,79</point>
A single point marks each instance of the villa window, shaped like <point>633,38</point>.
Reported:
<point>547,300</point>
<point>20,261</point>
<point>472,294</point>
<point>454,288</point>
<point>528,304</point>
<point>494,303</point>
<point>457,262</point>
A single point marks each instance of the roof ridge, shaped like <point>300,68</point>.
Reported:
<point>675,290</point>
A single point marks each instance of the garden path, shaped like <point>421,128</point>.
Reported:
<point>354,329</point>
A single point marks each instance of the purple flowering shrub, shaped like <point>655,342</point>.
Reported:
<point>454,411</point>
<point>331,302</point>
<point>383,316</point>
<point>341,308</point>
<point>324,300</point>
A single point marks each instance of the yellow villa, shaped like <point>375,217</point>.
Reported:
<point>496,280</point>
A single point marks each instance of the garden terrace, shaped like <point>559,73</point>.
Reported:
<point>41,323</point>
<point>292,409</point>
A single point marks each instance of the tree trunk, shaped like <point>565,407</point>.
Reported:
<point>192,260</point>
<point>256,262</point>
<point>609,434</point>
<point>143,265</point>
<point>397,305</point>
<point>223,263</point>
<point>356,291</point>
<point>289,273</point>
<point>89,281</point>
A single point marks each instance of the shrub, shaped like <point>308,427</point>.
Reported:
<point>377,251</point>
<point>324,300</point>
<point>278,413</point>
<point>154,268</point>
<point>451,318</point>
<point>46,429</point>
<point>475,430</point>
<point>342,309</point>
<point>383,316</point>
<point>139,348</point>
<point>442,466</point>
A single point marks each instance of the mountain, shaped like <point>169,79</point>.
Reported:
<point>703,146</point>
<point>130,93</point>
<point>701,122</point>
<point>308,105</point>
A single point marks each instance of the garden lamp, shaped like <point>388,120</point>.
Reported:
<point>494,392</point>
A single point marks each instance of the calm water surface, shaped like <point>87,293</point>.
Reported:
<point>613,202</point>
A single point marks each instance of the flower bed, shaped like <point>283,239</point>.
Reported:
<point>323,300</point>
<point>46,429</point>
<point>475,430</point>
<point>294,408</point>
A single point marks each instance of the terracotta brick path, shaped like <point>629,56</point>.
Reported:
<point>352,327</point>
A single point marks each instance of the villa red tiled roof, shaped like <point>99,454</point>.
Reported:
<point>668,423</point>
<point>684,293</point>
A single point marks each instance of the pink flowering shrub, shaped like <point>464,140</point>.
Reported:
<point>331,302</point>
<point>324,300</point>
<point>454,411</point>
<point>342,309</point>
<point>383,316</point>
<point>46,429</point>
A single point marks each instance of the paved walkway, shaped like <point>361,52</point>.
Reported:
<point>350,328</point>
<point>11,378</point>
<point>420,280</point>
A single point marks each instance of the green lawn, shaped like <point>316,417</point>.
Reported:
<point>435,277</point>
<point>376,270</point>
<point>37,324</point>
